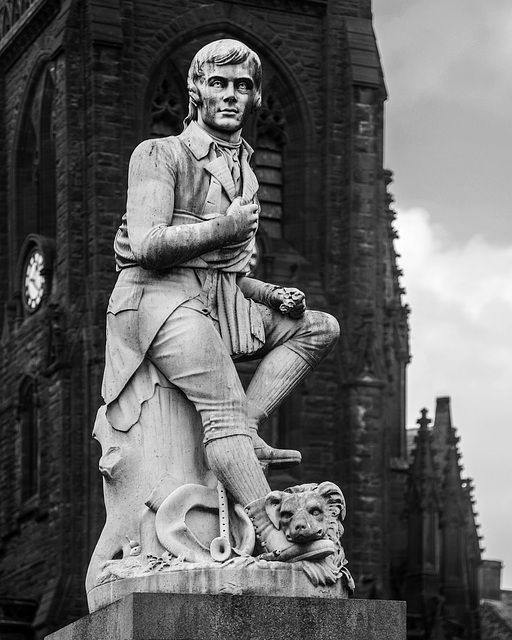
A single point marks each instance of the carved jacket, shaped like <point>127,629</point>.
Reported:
<point>178,181</point>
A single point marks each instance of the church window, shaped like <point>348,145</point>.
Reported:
<point>268,162</point>
<point>167,104</point>
<point>29,439</point>
<point>16,12</point>
<point>5,21</point>
<point>36,163</point>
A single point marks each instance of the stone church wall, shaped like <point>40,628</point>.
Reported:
<point>104,59</point>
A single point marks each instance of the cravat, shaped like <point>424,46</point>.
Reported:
<point>231,154</point>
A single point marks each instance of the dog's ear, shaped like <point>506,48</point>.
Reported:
<point>273,505</point>
<point>334,498</point>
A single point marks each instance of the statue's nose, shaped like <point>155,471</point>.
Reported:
<point>229,93</point>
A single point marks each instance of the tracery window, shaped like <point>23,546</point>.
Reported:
<point>5,21</point>
<point>167,104</point>
<point>270,142</point>
<point>16,12</point>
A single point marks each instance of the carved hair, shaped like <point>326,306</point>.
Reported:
<point>220,52</point>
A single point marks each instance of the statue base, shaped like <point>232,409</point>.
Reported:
<point>257,579</point>
<point>165,616</point>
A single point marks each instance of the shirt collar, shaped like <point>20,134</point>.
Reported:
<point>199,142</point>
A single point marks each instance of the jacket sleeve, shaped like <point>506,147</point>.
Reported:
<point>256,289</point>
<point>149,209</point>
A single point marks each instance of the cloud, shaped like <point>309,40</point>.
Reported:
<point>461,50</point>
<point>473,278</point>
<point>448,122</point>
<point>461,342</point>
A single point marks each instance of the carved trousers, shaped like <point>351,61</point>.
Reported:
<point>189,351</point>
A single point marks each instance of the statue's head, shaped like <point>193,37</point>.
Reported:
<point>224,85</point>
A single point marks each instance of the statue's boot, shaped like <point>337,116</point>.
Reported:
<point>275,544</point>
<point>275,458</point>
<point>278,374</point>
<point>232,460</point>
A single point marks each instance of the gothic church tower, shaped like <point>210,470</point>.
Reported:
<point>82,82</point>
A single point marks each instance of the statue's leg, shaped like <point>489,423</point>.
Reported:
<point>293,349</point>
<point>190,353</point>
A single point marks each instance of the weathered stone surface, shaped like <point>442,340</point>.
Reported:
<point>180,312</point>
<point>158,447</point>
<point>256,579</point>
<point>143,616</point>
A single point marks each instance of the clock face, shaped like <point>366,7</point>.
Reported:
<point>34,280</point>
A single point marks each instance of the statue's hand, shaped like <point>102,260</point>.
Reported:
<point>289,301</point>
<point>244,218</point>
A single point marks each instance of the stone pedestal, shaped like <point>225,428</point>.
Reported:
<point>258,579</point>
<point>164,616</point>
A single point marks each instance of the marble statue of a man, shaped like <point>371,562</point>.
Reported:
<point>183,300</point>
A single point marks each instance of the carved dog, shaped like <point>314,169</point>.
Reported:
<point>308,512</point>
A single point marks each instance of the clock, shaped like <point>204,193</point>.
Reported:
<point>34,283</point>
<point>34,272</point>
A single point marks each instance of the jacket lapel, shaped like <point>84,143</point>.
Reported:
<point>249,180</point>
<point>219,170</point>
<point>199,142</point>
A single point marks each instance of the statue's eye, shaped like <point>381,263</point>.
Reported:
<point>286,515</point>
<point>315,511</point>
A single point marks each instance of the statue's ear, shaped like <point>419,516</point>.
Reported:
<point>273,505</point>
<point>334,498</point>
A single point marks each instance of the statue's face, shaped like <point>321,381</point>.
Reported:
<point>227,98</point>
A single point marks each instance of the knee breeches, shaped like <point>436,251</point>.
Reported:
<point>190,353</point>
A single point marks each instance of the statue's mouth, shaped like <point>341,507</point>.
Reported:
<point>305,537</point>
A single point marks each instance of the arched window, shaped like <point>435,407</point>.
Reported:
<point>270,142</point>
<point>35,210</point>
<point>167,103</point>
<point>29,440</point>
<point>5,21</point>
<point>16,12</point>
<point>47,169</point>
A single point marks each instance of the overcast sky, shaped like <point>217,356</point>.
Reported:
<point>448,71</point>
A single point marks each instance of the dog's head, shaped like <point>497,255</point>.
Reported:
<point>307,512</point>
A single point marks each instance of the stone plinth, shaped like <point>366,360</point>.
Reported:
<point>164,616</point>
<point>258,579</point>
